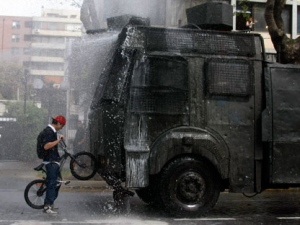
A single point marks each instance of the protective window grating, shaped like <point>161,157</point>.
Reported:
<point>200,41</point>
<point>229,77</point>
<point>158,100</point>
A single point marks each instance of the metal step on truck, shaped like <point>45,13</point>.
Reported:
<point>186,113</point>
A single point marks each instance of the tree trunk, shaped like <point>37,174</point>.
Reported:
<point>288,49</point>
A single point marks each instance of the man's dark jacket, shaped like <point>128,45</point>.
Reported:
<point>52,154</point>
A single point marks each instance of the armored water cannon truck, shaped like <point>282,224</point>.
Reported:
<point>184,114</point>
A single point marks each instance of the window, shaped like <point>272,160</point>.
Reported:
<point>26,51</point>
<point>47,66</point>
<point>52,15</point>
<point>15,38</point>
<point>53,26</point>
<point>36,25</point>
<point>26,64</point>
<point>159,85</point>
<point>28,24</point>
<point>46,39</point>
<point>228,77</point>
<point>16,24</point>
<point>48,52</point>
<point>15,51</point>
<point>27,37</point>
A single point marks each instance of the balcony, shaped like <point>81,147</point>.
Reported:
<point>46,73</point>
<point>57,33</point>
<point>48,45</point>
<point>47,59</point>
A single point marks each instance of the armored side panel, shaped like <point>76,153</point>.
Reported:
<point>281,122</point>
<point>194,92</point>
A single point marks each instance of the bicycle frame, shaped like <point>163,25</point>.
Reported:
<point>62,161</point>
<point>66,154</point>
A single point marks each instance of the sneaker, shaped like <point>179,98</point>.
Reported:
<point>53,207</point>
<point>49,210</point>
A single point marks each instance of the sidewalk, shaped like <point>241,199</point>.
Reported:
<point>16,172</point>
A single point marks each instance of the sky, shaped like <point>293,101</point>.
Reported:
<point>30,7</point>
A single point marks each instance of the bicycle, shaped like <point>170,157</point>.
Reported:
<point>83,166</point>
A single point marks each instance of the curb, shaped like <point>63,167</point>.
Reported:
<point>93,186</point>
<point>85,189</point>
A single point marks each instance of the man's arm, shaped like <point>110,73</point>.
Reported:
<point>50,145</point>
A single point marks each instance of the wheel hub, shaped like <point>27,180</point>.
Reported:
<point>190,188</point>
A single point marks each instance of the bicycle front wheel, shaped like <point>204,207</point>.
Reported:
<point>83,165</point>
<point>35,193</point>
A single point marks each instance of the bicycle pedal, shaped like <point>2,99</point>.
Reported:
<point>64,182</point>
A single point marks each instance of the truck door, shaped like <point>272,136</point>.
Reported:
<point>231,113</point>
<point>285,154</point>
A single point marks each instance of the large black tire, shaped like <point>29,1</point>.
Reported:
<point>83,166</point>
<point>149,194</point>
<point>35,193</point>
<point>146,195</point>
<point>189,187</point>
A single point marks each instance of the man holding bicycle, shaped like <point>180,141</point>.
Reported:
<point>51,160</point>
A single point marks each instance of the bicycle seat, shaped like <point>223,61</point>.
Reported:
<point>39,167</point>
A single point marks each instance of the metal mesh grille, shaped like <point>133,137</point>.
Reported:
<point>205,42</point>
<point>229,77</point>
<point>158,100</point>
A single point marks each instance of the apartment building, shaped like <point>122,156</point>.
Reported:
<point>15,33</point>
<point>50,34</point>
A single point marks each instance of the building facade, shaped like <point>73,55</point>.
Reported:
<point>15,33</point>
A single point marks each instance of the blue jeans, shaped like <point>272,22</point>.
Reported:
<point>52,172</point>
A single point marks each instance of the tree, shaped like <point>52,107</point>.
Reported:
<point>288,49</point>
<point>30,124</point>
<point>11,76</point>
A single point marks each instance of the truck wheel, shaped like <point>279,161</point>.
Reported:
<point>149,194</point>
<point>189,187</point>
<point>146,195</point>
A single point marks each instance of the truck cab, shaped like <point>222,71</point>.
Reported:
<point>184,114</point>
<point>186,100</point>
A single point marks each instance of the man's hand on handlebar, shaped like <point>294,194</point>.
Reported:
<point>61,137</point>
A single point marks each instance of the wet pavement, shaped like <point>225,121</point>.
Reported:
<point>90,202</point>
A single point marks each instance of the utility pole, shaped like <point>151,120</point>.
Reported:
<point>25,89</point>
<point>3,27</point>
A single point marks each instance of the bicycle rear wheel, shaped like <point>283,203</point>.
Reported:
<point>35,193</point>
<point>83,165</point>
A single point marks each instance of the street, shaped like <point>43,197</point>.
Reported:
<point>90,203</point>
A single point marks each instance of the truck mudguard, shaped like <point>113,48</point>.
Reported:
<point>189,141</point>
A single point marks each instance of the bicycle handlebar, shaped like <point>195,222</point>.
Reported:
<point>63,142</point>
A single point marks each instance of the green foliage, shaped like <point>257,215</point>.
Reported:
<point>244,5</point>
<point>30,123</point>
<point>11,76</point>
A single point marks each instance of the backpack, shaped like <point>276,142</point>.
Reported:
<point>41,152</point>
